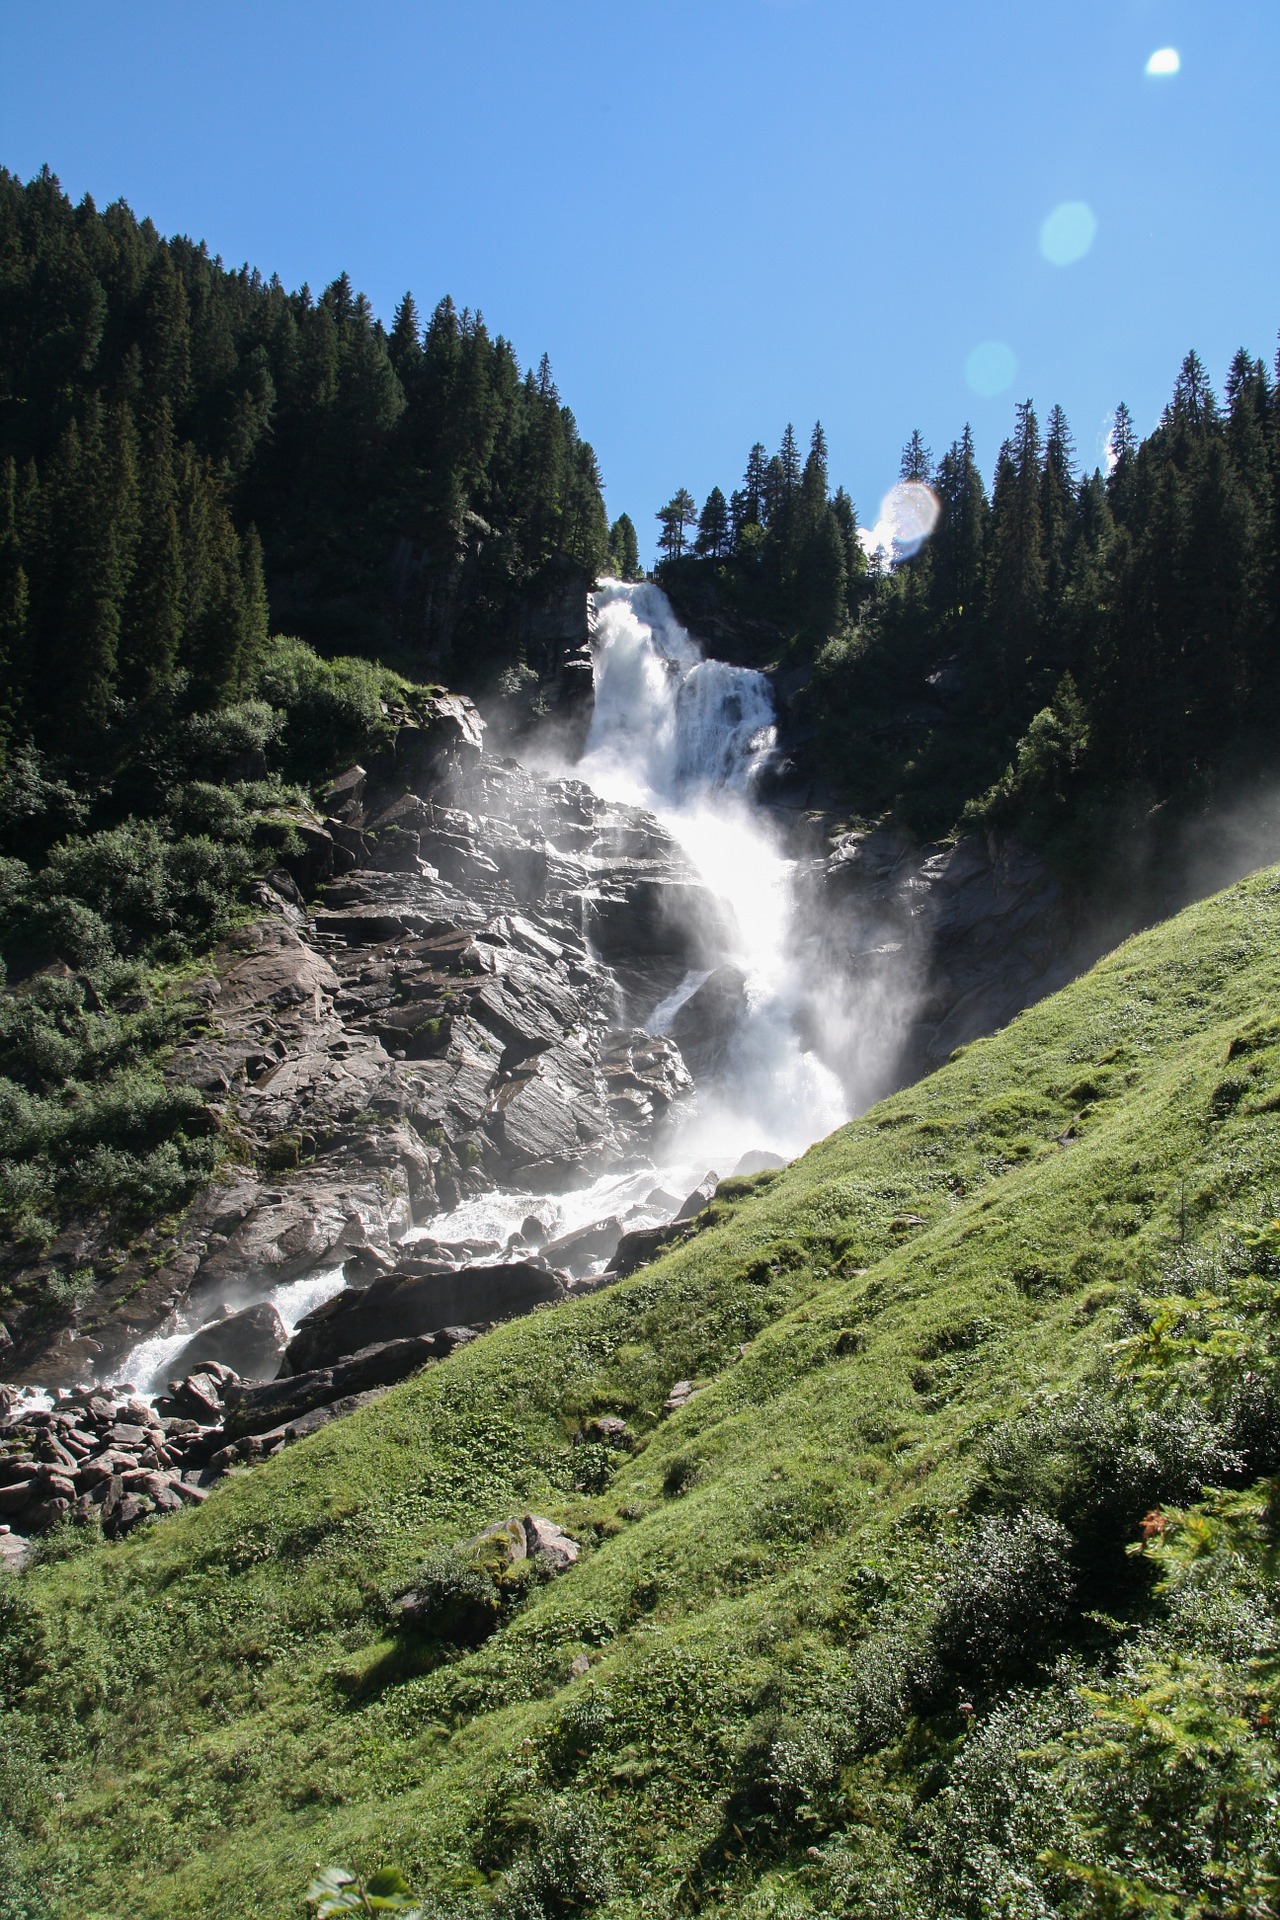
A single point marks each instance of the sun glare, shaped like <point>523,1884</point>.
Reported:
<point>1163,62</point>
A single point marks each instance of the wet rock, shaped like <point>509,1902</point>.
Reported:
<point>704,1026</point>
<point>648,1083</point>
<point>578,1252</point>
<point>404,1304</point>
<point>757,1160</point>
<point>702,1196</point>
<point>250,1409</point>
<point>250,1342</point>
<point>643,1244</point>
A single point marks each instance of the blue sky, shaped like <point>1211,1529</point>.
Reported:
<point>718,216</point>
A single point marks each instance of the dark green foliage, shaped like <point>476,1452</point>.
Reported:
<point>85,1120</point>
<point>564,1868</point>
<point>185,449</point>
<point>1008,1598</point>
<point>675,519</point>
<point>624,549</point>
<point>1060,659</point>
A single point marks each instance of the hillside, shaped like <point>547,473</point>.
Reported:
<point>853,1630</point>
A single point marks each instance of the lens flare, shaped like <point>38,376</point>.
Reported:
<point>908,515</point>
<point>1164,62</point>
<point>990,368</point>
<point>1068,233</point>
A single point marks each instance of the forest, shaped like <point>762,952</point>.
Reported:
<point>191,457</point>
<point>1063,646</point>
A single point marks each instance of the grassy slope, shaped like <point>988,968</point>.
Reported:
<point>229,1702</point>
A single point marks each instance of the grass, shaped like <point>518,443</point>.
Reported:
<point>775,1586</point>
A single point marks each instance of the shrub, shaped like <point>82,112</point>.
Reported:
<point>566,1868</point>
<point>1008,1597</point>
<point>453,1599</point>
<point>331,708</point>
<point>232,742</point>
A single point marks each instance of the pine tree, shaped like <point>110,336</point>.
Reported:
<point>154,606</point>
<point>675,519</point>
<point>917,461</point>
<point>1016,570</point>
<point>14,604</point>
<point>753,487</point>
<point>624,549</point>
<point>1057,511</point>
<point>1122,450</point>
<point>959,540</point>
<point>713,527</point>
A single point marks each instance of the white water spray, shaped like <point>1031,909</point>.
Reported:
<point>682,736</point>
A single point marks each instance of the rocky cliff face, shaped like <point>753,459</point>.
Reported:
<point>461,1008</point>
<point>960,935</point>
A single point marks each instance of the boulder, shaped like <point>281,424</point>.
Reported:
<point>702,1196</point>
<point>707,1021</point>
<point>547,1542</point>
<point>758,1160</point>
<point>404,1304</point>
<point>251,1342</point>
<point>578,1252</point>
<point>13,1552</point>
<point>447,741</point>
<point>637,1248</point>
<point>255,1408</point>
<point>198,1397</point>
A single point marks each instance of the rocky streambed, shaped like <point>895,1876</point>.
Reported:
<point>449,1053</point>
<point>442,992</point>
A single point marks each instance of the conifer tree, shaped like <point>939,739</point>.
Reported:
<point>713,527</point>
<point>675,520</point>
<point>917,461</point>
<point>624,549</point>
<point>753,487</point>
<point>154,605</point>
<point>959,540</point>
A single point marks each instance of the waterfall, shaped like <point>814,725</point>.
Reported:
<point>682,736</point>
<point>668,725</point>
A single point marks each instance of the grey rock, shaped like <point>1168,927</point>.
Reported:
<point>404,1304</point>
<point>547,1542</point>
<point>250,1341</point>
<point>578,1252</point>
<point>702,1196</point>
<point>250,1409</point>
<point>757,1160</point>
<point>643,1244</point>
<point>704,1026</point>
<point>14,1552</point>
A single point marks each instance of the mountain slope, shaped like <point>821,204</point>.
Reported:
<point>824,1605</point>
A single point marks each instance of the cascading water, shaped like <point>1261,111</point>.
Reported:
<point>682,736</point>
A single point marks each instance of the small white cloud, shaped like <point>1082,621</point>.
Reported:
<point>1163,62</point>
